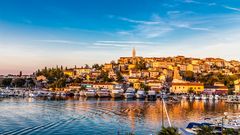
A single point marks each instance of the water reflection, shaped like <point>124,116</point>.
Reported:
<point>78,115</point>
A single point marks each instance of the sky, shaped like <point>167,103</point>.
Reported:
<point>39,33</point>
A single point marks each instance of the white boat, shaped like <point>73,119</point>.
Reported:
<point>191,97</point>
<point>63,94</point>
<point>204,97</point>
<point>216,97</point>
<point>33,94</point>
<point>141,94</point>
<point>116,93</point>
<point>152,94</point>
<point>197,97</point>
<point>103,93</point>
<point>51,94</point>
<point>90,93</point>
<point>185,97</point>
<point>76,94</point>
<point>130,93</point>
<point>210,97</point>
<point>82,93</point>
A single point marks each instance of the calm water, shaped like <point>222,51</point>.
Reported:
<point>99,116</point>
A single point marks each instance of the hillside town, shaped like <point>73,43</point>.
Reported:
<point>178,75</point>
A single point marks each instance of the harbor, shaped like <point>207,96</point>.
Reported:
<point>78,115</point>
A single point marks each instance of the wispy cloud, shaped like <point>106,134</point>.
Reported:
<point>125,44</point>
<point>191,1</point>
<point>231,8</point>
<point>57,41</point>
<point>157,27</point>
<point>139,21</point>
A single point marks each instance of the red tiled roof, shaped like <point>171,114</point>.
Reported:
<point>188,84</point>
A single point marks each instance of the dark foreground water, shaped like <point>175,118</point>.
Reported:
<point>82,116</point>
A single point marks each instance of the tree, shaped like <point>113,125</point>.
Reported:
<point>19,82</point>
<point>119,77</point>
<point>145,87</point>
<point>229,131</point>
<point>30,82</point>
<point>205,130</point>
<point>190,90</point>
<point>6,82</point>
<point>188,76</point>
<point>86,66</point>
<point>169,131</point>
<point>141,65</point>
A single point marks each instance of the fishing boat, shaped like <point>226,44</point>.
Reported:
<point>130,93</point>
<point>116,93</point>
<point>141,94</point>
<point>90,93</point>
<point>103,93</point>
<point>152,95</point>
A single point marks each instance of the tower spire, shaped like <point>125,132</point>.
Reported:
<point>133,53</point>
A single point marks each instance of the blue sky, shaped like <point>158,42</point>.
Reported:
<point>38,33</point>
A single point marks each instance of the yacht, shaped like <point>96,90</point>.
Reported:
<point>216,97</point>
<point>76,94</point>
<point>185,97</point>
<point>63,94</point>
<point>193,127</point>
<point>103,93</point>
<point>82,93</point>
<point>141,94</point>
<point>152,95</point>
<point>33,94</point>
<point>116,93</point>
<point>130,93</point>
<point>204,97</point>
<point>197,97</point>
<point>90,93</point>
<point>210,97</point>
<point>191,97</point>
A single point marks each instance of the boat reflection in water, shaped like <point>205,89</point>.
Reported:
<point>81,115</point>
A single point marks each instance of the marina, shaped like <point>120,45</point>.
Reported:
<point>78,115</point>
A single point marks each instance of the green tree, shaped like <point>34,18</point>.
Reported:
<point>190,90</point>
<point>19,82</point>
<point>205,130</point>
<point>145,87</point>
<point>168,131</point>
<point>231,132</point>
<point>188,75</point>
<point>119,77</point>
<point>6,82</point>
<point>141,65</point>
<point>30,82</point>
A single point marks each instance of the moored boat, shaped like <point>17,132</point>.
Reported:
<point>204,97</point>
<point>103,93</point>
<point>116,93</point>
<point>141,94</point>
<point>130,93</point>
<point>152,95</point>
<point>90,93</point>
